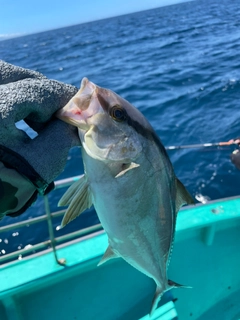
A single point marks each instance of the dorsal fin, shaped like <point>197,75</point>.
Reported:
<point>182,196</point>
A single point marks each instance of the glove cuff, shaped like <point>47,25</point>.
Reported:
<point>17,162</point>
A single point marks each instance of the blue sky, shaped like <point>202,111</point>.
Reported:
<point>19,17</point>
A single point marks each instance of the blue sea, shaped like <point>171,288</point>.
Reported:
<point>178,64</point>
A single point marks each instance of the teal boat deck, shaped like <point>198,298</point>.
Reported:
<point>205,256</point>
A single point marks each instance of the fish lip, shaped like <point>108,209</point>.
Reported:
<point>83,84</point>
<point>76,123</point>
<point>87,87</point>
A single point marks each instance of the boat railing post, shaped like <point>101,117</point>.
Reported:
<point>61,261</point>
<point>11,307</point>
<point>209,233</point>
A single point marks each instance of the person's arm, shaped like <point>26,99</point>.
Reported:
<point>29,166</point>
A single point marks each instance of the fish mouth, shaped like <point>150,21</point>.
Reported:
<point>76,112</point>
<point>87,87</point>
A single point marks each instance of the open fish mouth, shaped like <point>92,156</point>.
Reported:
<point>76,111</point>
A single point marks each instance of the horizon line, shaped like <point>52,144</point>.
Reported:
<point>7,36</point>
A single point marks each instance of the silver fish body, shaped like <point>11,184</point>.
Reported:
<point>128,178</point>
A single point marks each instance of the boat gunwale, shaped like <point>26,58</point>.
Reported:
<point>183,210</point>
<point>186,220</point>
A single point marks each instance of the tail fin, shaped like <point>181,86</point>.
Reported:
<point>159,292</point>
<point>173,284</point>
<point>156,299</point>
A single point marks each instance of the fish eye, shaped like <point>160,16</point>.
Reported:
<point>118,113</point>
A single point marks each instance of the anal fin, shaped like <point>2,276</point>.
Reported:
<point>108,255</point>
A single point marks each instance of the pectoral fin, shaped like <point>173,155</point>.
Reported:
<point>183,196</point>
<point>108,255</point>
<point>78,197</point>
<point>126,168</point>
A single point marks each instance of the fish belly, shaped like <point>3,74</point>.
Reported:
<point>128,208</point>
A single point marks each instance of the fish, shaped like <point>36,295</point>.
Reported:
<point>128,178</point>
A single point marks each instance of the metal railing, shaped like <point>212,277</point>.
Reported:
<point>53,241</point>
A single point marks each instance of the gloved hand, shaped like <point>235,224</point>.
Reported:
<point>29,166</point>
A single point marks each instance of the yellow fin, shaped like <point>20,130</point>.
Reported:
<point>183,196</point>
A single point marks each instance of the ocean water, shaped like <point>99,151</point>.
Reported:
<point>179,65</point>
